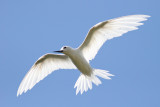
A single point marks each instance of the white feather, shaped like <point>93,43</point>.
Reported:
<point>106,30</point>
<point>44,66</point>
<point>96,37</point>
<point>84,82</point>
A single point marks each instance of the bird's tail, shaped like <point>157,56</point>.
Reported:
<point>84,82</point>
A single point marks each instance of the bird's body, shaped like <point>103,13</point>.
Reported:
<point>79,61</point>
<point>80,57</point>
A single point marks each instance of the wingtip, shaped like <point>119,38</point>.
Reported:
<point>143,15</point>
<point>77,92</point>
<point>17,94</point>
<point>147,16</point>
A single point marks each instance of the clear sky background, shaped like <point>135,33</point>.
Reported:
<point>32,28</point>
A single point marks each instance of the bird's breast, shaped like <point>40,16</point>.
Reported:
<point>81,63</point>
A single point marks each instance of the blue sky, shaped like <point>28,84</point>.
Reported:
<point>31,28</point>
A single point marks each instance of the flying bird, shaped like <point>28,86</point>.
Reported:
<point>79,58</point>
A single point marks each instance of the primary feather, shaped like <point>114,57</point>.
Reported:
<point>44,66</point>
<point>106,30</point>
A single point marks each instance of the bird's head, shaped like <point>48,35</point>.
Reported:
<point>64,49</point>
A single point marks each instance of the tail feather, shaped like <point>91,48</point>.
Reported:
<point>102,73</point>
<point>84,82</point>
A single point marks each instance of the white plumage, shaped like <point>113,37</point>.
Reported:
<point>79,58</point>
<point>44,66</point>
<point>106,30</point>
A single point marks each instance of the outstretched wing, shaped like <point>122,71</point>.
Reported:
<point>44,66</point>
<point>106,30</point>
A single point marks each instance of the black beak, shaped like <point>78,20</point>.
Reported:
<point>59,51</point>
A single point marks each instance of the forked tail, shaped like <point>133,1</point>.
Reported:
<point>84,82</point>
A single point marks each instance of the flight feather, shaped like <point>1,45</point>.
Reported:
<point>106,30</point>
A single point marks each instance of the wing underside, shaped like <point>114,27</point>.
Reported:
<point>106,30</point>
<point>43,67</point>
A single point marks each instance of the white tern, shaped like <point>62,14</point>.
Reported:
<point>79,58</point>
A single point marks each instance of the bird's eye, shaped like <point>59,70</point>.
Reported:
<point>64,47</point>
